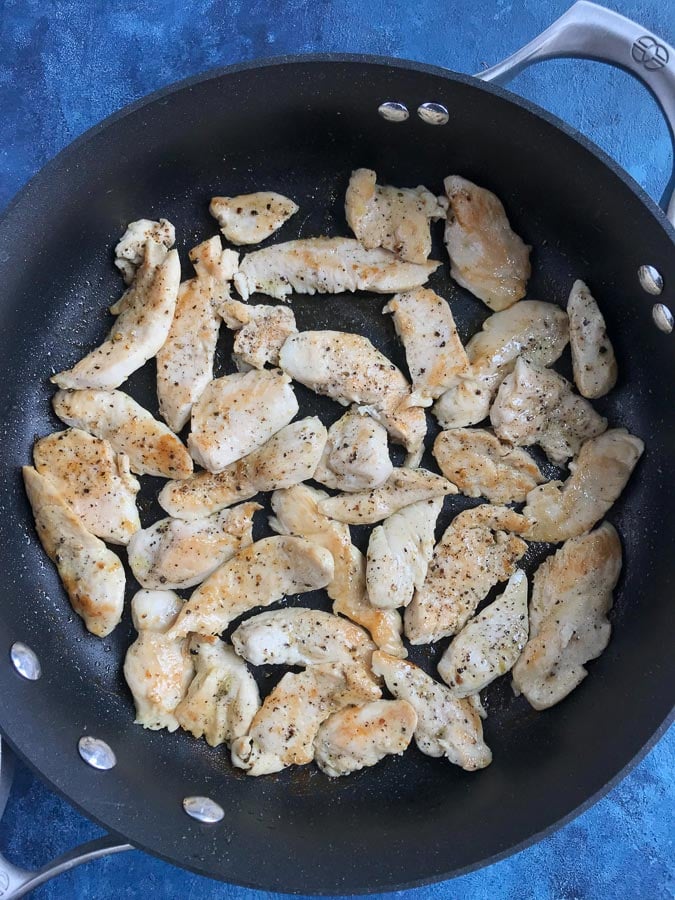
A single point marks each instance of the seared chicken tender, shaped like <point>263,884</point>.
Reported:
<point>289,457</point>
<point>593,360</point>
<point>361,736</point>
<point>130,249</point>
<point>173,554</point>
<point>482,466</point>
<point>390,217</point>
<point>259,575</point>
<point>237,414</point>
<point>477,551</point>
<point>185,361</point>
<point>571,596</point>
<point>356,455</point>
<point>260,332</point>
<point>95,481</point>
<point>92,575</point>
<point>223,696</point>
<point>538,406</point>
<point>486,256</point>
<point>446,726</point>
<point>251,218</point>
<point>151,447</point>
<point>561,510</point>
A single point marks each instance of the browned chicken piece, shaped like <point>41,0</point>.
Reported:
<point>251,218</point>
<point>131,247</point>
<point>593,360</point>
<point>356,455</point>
<point>260,332</point>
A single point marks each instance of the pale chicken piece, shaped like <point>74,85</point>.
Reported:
<point>139,330</point>
<point>435,355</point>
<point>284,728</point>
<point>593,360</point>
<point>130,249</point>
<point>538,406</point>
<point>399,552</point>
<point>561,510</point>
<point>446,726</point>
<point>490,644</point>
<point>152,448</point>
<point>251,218</point>
<point>185,361</point>
<point>327,266</point>
<point>237,414</point>
<point>289,457</point>
<point>482,466</point>
<point>260,332</point>
<point>157,668</point>
<point>390,217</point>
<point>403,487</point>
<point>360,736</point>
<point>92,575</point>
<point>349,369</point>
<point>477,551</point>
<point>297,512</point>
<point>486,256</point>
<point>173,554</point>
<point>539,332</point>
<point>94,480</point>
<point>571,596</point>
<point>223,696</point>
<point>260,574</point>
<point>356,455</point>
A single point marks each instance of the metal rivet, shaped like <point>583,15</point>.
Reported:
<point>25,661</point>
<point>663,318</point>
<point>96,753</point>
<point>650,280</point>
<point>393,111</point>
<point>203,809</point>
<point>433,113</point>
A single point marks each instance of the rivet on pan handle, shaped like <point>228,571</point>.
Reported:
<point>590,31</point>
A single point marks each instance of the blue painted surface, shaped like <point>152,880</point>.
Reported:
<point>66,65</point>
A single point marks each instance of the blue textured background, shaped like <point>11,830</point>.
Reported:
<point>66,65</point>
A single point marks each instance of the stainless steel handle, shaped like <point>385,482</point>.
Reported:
<point>15,882</point>
<point>590,31</point>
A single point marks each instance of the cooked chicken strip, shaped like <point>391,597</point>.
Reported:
<point>152,448</point>
<point>296,512</point>
<point>537,331</point>
<point>538,406</point>
<point>446,726</point>
<point>130,249</point>
<point>490,644</point>
<point>173,554</point>
<point>94,480</point>
<point>327,266</point>
<point>284,728</point>
<point>361,736</point>
<point>399,551</point>
<point>571,596</point>
<point>476,552</point>
<point>261,574</point>
<point>289,457</point>
<point>561,510</point>
<point>237,414</point>
<point>223,696</point>
<point>356,455</point>
<point>157,668</point>
<point>261,332</point>
<point>92,575</point>
<point>481,466</point>
<point>251,218</point>
<point>593,360</point>
<point>185,362</point>
<point>139,330</point>
<point>394,218</point>
<point>486,256</point>
<point>403,487</point>
<point>349,369</point>
<point>435,355</point>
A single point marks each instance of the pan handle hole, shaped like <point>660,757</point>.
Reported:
<point>663,317</point>
<point>650,280</point>
<point>393,111</point>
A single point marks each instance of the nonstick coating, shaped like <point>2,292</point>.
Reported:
<point>300,127</point>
